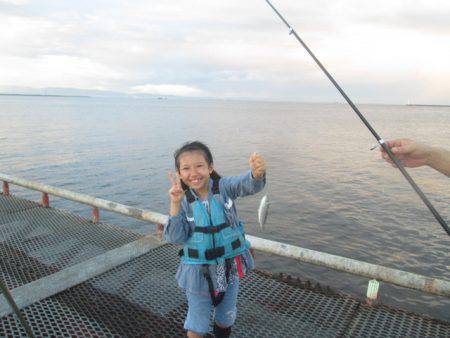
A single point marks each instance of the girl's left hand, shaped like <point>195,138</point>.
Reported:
<point>257,165</point>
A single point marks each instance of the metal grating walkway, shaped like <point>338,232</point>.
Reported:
<point>141,299</point>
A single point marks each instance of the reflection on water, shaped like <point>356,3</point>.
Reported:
<point>332,193</point>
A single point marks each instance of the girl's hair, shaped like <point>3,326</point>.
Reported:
<point>195,146</point>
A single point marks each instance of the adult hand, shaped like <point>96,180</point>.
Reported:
<point>257,165</point>
<point>410,153</point>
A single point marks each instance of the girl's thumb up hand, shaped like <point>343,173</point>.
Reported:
<point>257,165</point>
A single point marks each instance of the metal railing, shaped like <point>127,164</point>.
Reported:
<point>96,203</point>
<point>393,276</point>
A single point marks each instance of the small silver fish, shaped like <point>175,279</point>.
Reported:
<point>263,211</point>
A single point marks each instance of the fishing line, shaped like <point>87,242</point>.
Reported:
<point>363,119</point>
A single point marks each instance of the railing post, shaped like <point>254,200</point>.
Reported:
<point>5,188</point>
<point>159,231</point>
<point>373,293</point>
<point>95,215</point>
<point>45,200</point>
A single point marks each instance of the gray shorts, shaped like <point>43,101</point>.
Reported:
<point>199,309</point>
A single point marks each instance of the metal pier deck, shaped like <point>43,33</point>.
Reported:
<point>141,299</point>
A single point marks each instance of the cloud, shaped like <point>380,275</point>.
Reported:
<point>56,71</point>
<point>430,16</point>
<point>229,49</point>
<point>15,2</point>
<point>168,89</point>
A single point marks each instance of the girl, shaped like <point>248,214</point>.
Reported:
<point>203,218</point>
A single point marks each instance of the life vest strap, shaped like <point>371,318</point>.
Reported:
<point>235,244</point>
<point>211,229</point>
<point>216,297</point>
<point>210,254</point>
<point>215,187</point>
<point>214,253</point>
<point>189,196</point>
<point>193,253</point>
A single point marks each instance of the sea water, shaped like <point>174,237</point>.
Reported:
<point>331,192</point>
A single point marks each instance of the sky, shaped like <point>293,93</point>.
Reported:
<point>385,51</point>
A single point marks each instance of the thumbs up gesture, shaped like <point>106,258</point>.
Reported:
<point>257,165</point>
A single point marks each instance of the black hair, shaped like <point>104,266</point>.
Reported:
<point>195,146</point>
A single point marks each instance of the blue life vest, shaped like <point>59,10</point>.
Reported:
<point>213,239</point>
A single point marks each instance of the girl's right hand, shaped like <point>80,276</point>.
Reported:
<point>176,192</point>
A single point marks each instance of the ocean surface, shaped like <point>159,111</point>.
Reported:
<point>330,192</point>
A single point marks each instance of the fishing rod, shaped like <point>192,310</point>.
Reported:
<point>363,119</point>
<point>16,310</point>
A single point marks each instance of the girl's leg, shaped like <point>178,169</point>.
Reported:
<point>226,311</point>
<point>192,334</point>
<point>199,311</point>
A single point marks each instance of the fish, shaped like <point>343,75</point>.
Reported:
<point>263,211</point>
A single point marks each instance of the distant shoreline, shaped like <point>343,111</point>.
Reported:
<point>429,105</point>
<point>44,95</point>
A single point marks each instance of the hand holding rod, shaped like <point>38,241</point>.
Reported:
<point>379,139</point>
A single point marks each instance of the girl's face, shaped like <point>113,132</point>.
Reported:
<point>195,171</point>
